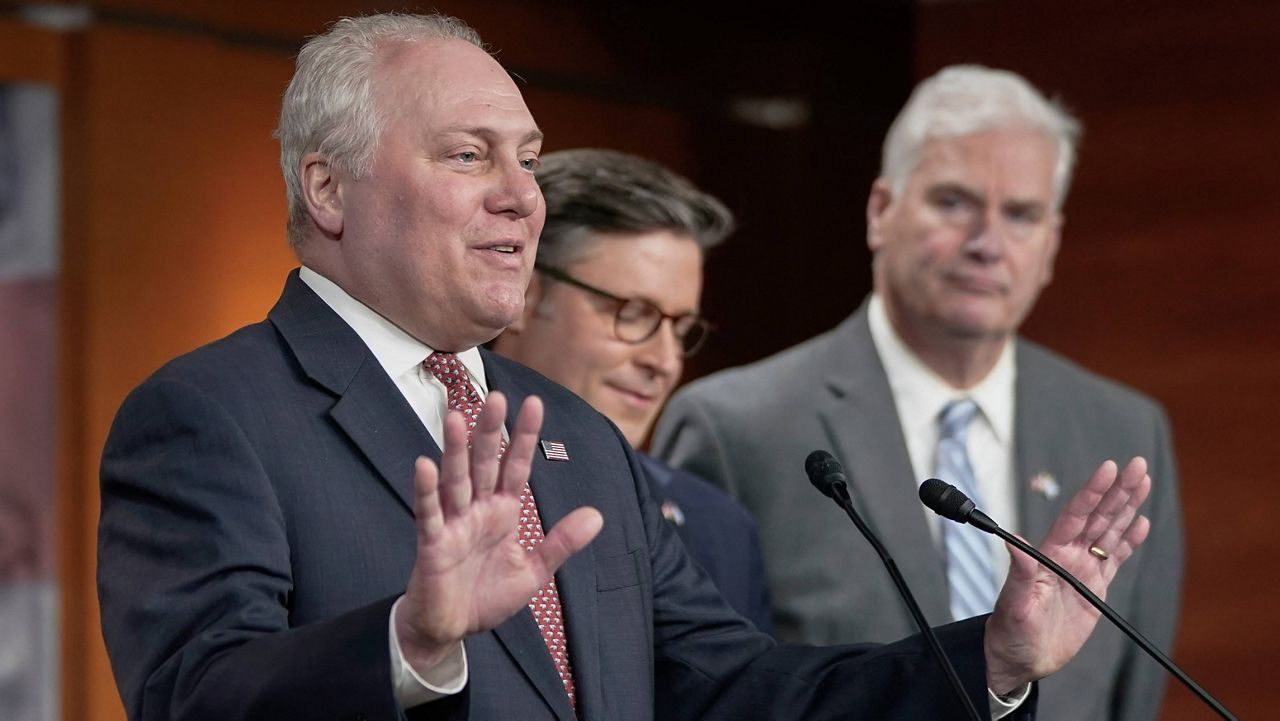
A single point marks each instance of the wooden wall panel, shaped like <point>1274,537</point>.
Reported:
<point>175,212</point>
<point>1167,278</point>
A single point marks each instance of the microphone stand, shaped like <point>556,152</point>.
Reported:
<point>1111,615</point>
<point>841,495</point>
<point>947,501</point>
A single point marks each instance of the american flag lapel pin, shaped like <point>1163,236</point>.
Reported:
<point>554,450</point>
<point>1045,484</point>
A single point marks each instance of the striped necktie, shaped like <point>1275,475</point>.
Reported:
<point>969,569</point>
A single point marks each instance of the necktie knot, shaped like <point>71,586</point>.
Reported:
<point>446,367</point>
<point>956,417</point>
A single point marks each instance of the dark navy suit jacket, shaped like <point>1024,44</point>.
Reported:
<point>718,532</point>
<point>256,527</point>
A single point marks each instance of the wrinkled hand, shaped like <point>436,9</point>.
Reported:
<point>471,574</point>
<point>1040,622</point>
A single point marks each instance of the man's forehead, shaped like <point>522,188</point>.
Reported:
<point>1021,156</point>
<point>455,87</point>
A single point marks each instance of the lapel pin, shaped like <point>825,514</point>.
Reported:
<point>1045,484</point>
<point>554,450</point>
<point>672,513</point>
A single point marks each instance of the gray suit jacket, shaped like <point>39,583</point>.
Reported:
<point>749,429</point>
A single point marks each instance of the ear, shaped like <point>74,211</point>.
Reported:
<point>878,204</point>
<point>1051,251</point>
<point>322,193</point>
<point>532,299</point>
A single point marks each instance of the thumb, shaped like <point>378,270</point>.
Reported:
<point>1021,566</point>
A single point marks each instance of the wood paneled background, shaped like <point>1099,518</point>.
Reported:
<point>174,210</point>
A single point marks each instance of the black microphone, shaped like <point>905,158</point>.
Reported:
<point>827,475</point>
<point>949,502</point>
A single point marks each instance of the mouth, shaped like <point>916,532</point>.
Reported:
<point>635,397</point>
<point>977,285</point>
<point>506,253</point>
<point>505,246</point>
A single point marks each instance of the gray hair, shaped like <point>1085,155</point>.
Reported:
<point>329,106</point>
<point>590,192</point>
<point>965,99</point>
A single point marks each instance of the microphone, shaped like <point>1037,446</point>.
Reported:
<point>827,475</point>
<point>949,502</point>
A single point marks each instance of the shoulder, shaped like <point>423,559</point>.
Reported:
<point>502,371</point>
<point>695,494</point>
<point>1045,374</point>
<point>777,376</point>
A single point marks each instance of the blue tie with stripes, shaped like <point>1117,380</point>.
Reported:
<point>969,573</point>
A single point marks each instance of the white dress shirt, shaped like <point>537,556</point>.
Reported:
<point>920,395</point>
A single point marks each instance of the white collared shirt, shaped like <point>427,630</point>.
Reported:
<point>400,354</point>
<point>920,395</point>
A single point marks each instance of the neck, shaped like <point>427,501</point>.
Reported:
<point>961,361</point>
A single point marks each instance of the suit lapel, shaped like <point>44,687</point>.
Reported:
<point>861,420</point>
<point>1041,448</point>
<point>370,409</point>
<point>557,489</point>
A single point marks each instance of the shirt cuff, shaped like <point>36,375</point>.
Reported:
<point>446,679</point>
<point>1001,706</point>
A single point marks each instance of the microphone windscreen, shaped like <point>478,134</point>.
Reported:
<point>945,500</point>
<point>820,466</point>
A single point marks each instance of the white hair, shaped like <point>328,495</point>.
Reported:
<point>329,106</point>
<point>965,99</point>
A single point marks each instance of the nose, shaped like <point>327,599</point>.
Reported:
<point>662,354</point>
<point>515,191</point>
<point>986,240</point>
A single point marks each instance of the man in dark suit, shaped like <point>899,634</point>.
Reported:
<point>964,226</point>
<point>612,314</point>
<point>283,537</point>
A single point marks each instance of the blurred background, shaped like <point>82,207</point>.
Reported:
<point>171,227</point>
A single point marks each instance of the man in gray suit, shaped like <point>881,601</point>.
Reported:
<point>964,226</point>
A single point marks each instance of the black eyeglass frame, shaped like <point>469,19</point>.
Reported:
<point>699,328</point>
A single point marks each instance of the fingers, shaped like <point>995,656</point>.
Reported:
<point>486,441</point>
<point>1021,565</point>
<point>518,460</point>
<point>570,535</point>
<point>1070,523</point>
<point>1120,503</point>
<point>426,500</point>
<point>1133,537</point>
<point>1121,533</point>
<point>1104,515</point>
<point>455,472</point>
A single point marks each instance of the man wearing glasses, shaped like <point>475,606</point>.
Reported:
<point>611,315</point>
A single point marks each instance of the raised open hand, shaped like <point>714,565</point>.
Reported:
<point>471,574</point>
<point>1040,622</point>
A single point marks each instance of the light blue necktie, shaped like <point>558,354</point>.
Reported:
<point>969,572</point>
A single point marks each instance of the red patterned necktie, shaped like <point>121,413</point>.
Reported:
<point>545,604</point>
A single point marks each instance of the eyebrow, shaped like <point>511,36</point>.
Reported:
<point>951,186</point>
<point>981,198</point>
<point>532,136</point>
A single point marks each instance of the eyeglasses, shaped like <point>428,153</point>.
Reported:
<point>636,319</point>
